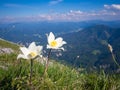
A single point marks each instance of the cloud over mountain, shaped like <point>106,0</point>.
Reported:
<point>108,12</point>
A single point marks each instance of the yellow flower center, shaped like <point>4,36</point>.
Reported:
<point>53,43</point>
<point>33,54</point>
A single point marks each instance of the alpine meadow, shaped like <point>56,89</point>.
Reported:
<point>60,45</point>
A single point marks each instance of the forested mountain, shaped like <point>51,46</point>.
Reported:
<point>88,47</point>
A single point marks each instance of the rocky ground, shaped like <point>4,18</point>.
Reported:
<point>6,50</point>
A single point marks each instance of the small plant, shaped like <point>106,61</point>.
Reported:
<point>33,51</point>
<point>30,53</point>
<point>113,57</point>
<point>53,44</point>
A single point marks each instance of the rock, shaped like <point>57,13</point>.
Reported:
<point>6,50</point>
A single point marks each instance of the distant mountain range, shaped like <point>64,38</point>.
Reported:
<point>86,41</point>
<point>34,31</point>
<point>25,32</point>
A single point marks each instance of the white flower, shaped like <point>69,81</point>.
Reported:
<point>55,43</point>
<point>31,52</point>
<point>110,48</point>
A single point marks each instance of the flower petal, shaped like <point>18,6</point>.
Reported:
<point>60,42</point>
<point>24,50</point>
<point>32,46</point>
<point>59,39</point>
<point>39,49</point>
<point>51,37</point>
<point>63,42</point>
<point>62,48</point>
<point>48,47</point>
<point>22,56</point>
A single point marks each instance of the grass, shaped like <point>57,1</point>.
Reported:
<point>59,77</point>
<point>15,75</point>
<point>7,44</point>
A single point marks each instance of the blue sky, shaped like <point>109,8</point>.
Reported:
<point>59,10</point>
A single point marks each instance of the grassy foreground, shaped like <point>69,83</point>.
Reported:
<point>14,75</point>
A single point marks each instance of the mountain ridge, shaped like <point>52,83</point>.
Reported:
<point>90,44</point>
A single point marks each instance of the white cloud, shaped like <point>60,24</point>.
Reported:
<point>112,7</point>
<point>116,6</point>
<point>107,6</point>
<point>76,12</point>
<point>72,15</point>
<point>53,2</point>
<point>112,10</point>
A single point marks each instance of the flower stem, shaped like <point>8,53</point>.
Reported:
<point>113,57</point>
<point>115,60</point>
<point>47,63</point>
<point>31,70</point>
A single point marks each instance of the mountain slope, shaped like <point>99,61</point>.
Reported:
<point>6,45</point>
<point>88,48</point>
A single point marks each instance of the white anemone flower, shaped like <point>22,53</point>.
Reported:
<point>31,52</point>
<point>55,43</point>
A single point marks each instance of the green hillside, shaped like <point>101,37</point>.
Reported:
<point>7,44</point>
<point>5,57</point>
<point>15,75</point>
